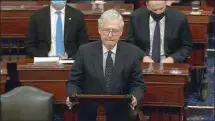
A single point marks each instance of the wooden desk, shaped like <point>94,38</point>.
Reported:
<point>4,72</point>
<point>163,89</point>
<point>161,84</point>
<point>15,22</point>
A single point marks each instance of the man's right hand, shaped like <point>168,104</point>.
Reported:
<point>68,103</point>
<point>147,59</point>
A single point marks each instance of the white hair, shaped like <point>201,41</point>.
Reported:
<point>110,15</point>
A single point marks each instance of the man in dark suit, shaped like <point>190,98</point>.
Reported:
<point>108,67</point>
<point>162,33</point>
<point>55,30</point>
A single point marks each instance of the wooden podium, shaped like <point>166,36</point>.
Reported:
<point>101,100</point>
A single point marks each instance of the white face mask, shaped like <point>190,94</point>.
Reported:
<point>58,3</point>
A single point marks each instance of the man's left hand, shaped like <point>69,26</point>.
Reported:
<point>168,60</point>
<point>133,102</point>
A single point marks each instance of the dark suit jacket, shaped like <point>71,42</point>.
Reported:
<point>87,75</point>
<point>177,35</point>
<point>38,39</point>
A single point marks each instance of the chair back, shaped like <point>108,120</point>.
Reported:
<point>26,103</point>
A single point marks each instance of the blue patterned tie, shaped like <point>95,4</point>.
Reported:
<point>108,72</point>
<point>156,44</point>
<point>59,35</point>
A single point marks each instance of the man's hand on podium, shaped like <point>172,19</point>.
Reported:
<point>133,102</point>
<point>168,60</point>
<point>147,59</point>
<point>68,103</point>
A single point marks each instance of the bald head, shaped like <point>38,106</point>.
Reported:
<point>156,6</point>
<point>156,3</point>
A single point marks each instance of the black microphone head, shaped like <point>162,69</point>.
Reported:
<point>128,98</point>
<point>73,98</point>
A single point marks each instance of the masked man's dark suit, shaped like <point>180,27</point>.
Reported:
<point>87,77</point>
<point>38,40</point>
<point>177,35</point>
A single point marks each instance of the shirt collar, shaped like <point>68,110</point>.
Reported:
<point>53,11</point>
<point>113,50</point>
<point>152,20</point>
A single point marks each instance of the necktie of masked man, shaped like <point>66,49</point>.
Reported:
<point>156,43</point>
<point>59,35</point>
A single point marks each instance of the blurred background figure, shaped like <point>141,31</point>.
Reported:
<point>170,2</point>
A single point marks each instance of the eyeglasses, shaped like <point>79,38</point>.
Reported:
<point>113,31</point>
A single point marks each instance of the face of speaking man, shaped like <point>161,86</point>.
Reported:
<point>110,33</point>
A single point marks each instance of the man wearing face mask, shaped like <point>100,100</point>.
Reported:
<point>55,30</point>
<point>161,32</point>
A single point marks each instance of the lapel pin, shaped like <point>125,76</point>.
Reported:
<point>69,18</point>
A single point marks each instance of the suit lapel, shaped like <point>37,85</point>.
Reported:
<point>146,31</point>
<point>119,64</point>
<point>167,31</point>
<point>47,22</point>
<point>66,23</point>
<point>97,61</point>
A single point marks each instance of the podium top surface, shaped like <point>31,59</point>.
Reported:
<point>86,96</point>
<point>101,98</point>
<point>166,69</point>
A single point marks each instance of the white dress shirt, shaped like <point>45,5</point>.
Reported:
<point>54,16</point>
<point>152,24</point>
